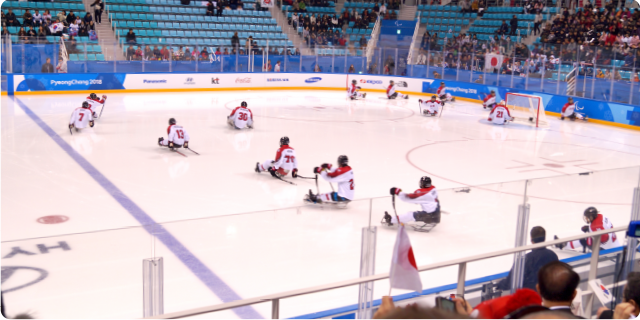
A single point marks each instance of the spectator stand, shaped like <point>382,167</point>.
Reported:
<point>167,22</point>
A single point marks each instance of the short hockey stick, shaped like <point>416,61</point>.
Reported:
<point>104,104</point>
<point>441,111</point>
<point>393,202</point>
<point>317,188</point>
<point>182,154</point>
<point>192,151</point>
<point>70,131</point>
<point>301,177</point>
<point>289,182</point>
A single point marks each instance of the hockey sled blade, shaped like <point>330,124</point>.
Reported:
<point>103,105</point>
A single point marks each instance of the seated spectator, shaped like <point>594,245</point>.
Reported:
<point>504,28</point>
<point>235,40</point>
<point>422,58</point>
<point>131,37</point>
<point>557,284</point>
<point>204,55</point>
<point>46,16</point>
<point>187,54</point>
<point>363,41</point>
<point>31,32</point>
<point>139,53</point>
<point>533,261</point>
<point>88,18</point>
<point>351,69</point>
<point>27,18</point>
<point>62,16</point>
<point>11,19</point>
<point>210,9</point>
<point>600,75</point>
<point>225,52</point>
<point>148,53</point>
<point>131,52</point>
<point>47,67</point>
<point>157,54</point>
<point>82,30</point>
<point>71,17</point>
<point>217,53</point>
<point>166,54</point>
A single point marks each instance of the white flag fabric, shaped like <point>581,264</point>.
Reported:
<point>266,3</point>
<point>404,271</point>
<point>492,60</point>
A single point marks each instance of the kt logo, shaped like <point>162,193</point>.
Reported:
<point>215,80</point>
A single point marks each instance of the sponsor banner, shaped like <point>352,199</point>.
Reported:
<point>191,81</point>
<point>382,83</point>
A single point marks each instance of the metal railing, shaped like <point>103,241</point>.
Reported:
<point>461,263</point>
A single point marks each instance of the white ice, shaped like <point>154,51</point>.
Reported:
<point>206,201</point>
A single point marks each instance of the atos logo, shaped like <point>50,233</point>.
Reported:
<point>313,80</point>
<point>371,81</point>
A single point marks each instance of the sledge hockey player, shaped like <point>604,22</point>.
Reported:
<point>430,107</point>
<point>490,100</point>
<point>426,197</point>
<point>353,91</point>
<point>392,93</point>
<point>500,114</point>
<point>443,95</point>
<point>94,103</point>
<point>178,136</point>
<point>569,111</point>
<point>596,222</point>
<point>343,175</point>
<point>81,117</point>
<point>241,117</point>
<point>284,163</point>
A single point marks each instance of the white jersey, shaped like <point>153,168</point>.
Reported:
<point>430,105</point>
<point>441,91</point>
<point>286,159</point>
<point>80,118</point>
<point>607,241</point>
<point>391,90</point>
<point>568,109</point>
<point>351,90</point>
<point>489,100</point>
<point>177,134</point>
<point>241,117</point>
<point>427,198</point>
<point>95,105</point>
<point>344,177</point>
<point>499,115</point>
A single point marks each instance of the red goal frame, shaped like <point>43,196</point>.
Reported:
<point>529,96</point>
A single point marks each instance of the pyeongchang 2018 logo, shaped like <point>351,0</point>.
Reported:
<point>313,80</point>
<point>371,81</point>
<point>75,82</point>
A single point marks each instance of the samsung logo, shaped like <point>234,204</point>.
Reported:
<point>312,80</point>
<point>154,81</point>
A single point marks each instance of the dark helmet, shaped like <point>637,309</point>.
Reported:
<point>425,182</point>
<point>354,81</point>
<point>243,104</point>
<point>570,100</point>
<point>433,97</point>
<point>93,96</point>
<point>172,121</point>
<point>284,141</point>
<point>442,83</point>
<point>492,92</point>
<point>343,161</point>
<point>85,104</point>
<point>590,214</point>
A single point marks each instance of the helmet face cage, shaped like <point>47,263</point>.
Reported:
<point>442,83</point>
<point>243,104</point>
<point>172,121</point>
<point>433,97</point>
<point>85,104</point>
<point>343,160</point>
<point>590,214</point>
<point>425,182</point>
<point>93,96</point>
<point>284,141</point>
<point>354,81</point>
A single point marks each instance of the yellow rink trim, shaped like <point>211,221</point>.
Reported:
<point>608,123</point>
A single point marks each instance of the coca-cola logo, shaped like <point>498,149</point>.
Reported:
<point>243,80</point>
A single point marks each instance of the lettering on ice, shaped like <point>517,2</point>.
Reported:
<point>42,248</point>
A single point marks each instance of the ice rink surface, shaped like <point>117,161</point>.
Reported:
<point>227,233</point>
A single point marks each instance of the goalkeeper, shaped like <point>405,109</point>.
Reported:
<point>569,111</point>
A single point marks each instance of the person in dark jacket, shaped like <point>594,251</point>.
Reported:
<point>557,284</point>
<point>47,67</point>
<point>533,261</point>
<point>514,25</point>
<point>131,36</point>
<point>71,17</point>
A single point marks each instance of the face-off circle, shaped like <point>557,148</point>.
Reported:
<point>53,219</point>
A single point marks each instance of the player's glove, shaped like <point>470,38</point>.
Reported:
<point>317,170</point>
<point>358,88</point>
<point>91,123</point>
<point>585,229</point>
<point>395,191</point>
<point>326,166</point>
<point>70,126</point>
<point>489,119</point>
<point>272,171</point>
<point>171,144</point>
<point>294,173</point>
<point>104,96</point>
<point>420,100</point>
<point>186,144</point>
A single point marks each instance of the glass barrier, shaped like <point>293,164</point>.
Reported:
<point>230,257</point>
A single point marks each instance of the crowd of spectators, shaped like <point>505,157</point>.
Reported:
<point>182,53</point>
<point>37,26</point>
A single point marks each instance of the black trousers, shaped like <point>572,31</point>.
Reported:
<point>98,15</point>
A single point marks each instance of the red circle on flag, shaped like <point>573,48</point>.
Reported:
<point>53,219</point>
<point>494,61</point>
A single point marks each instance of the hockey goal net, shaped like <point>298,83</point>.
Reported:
<point>527,108</point>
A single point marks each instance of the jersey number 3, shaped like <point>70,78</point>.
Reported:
<point>180,134</point>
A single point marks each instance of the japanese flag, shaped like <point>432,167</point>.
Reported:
<point>404,272</point>
<point>266,3</point>
<point>492,61</point>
